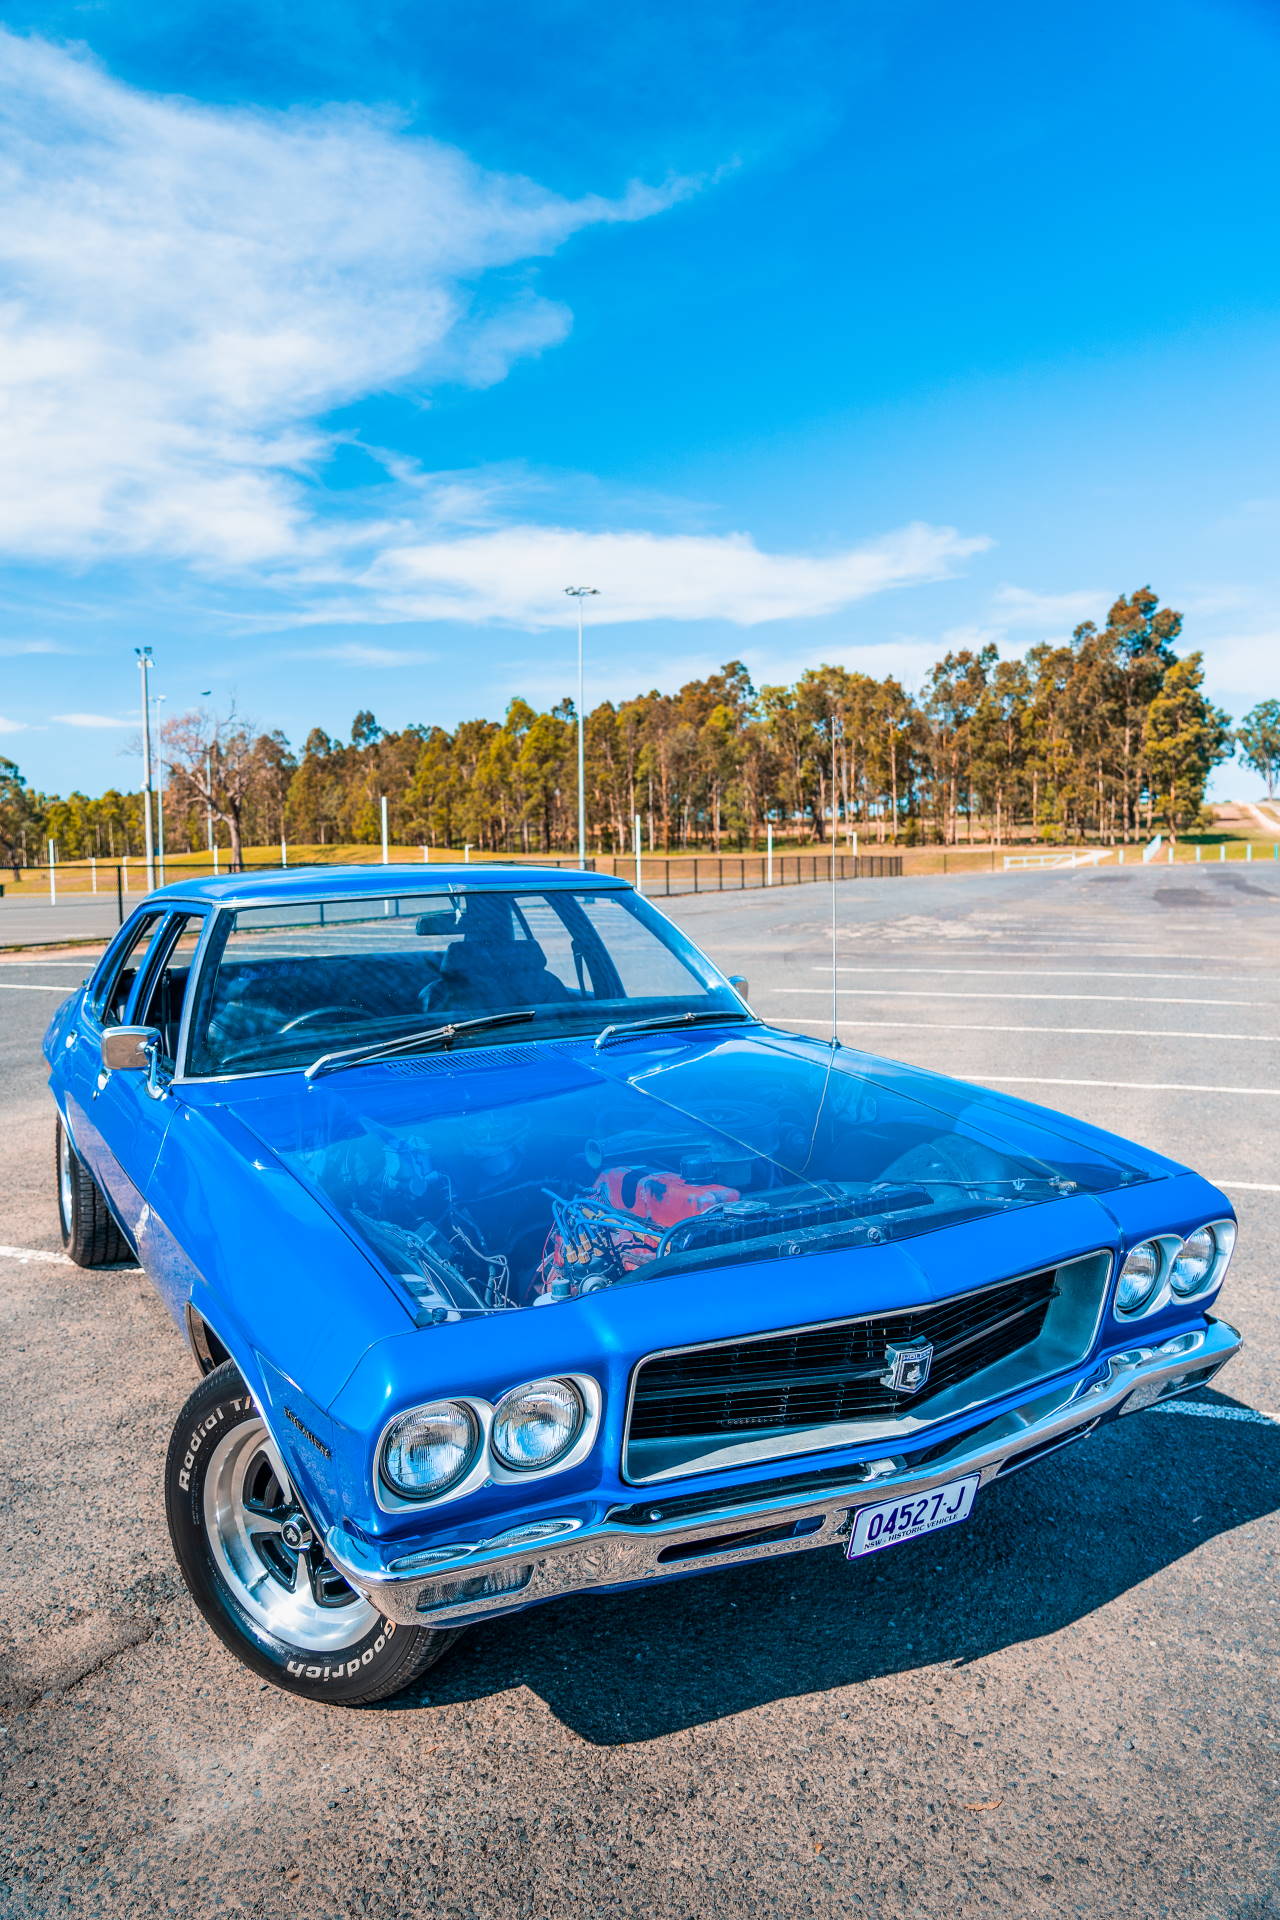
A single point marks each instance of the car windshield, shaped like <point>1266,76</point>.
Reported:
<point>285,985</point>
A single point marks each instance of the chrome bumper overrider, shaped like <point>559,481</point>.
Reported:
<point>523,1565</point>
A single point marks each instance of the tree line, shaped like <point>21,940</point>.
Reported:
<point>1108,737</point>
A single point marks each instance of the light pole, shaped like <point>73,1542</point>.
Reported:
<point>208,780</point>
<point>578,595</point>
<point>143,656</point>
<point>160,698</point>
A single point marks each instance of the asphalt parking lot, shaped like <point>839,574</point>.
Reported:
<point>1068,1706</point>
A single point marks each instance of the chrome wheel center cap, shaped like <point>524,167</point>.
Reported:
<point>297,1535</point>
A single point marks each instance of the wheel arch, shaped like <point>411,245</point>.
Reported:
<point>208,1349</point>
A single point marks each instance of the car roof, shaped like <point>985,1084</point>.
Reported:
<point>341,882</point>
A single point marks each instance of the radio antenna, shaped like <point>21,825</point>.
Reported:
<point>837,730</point>
<point>835,990</point>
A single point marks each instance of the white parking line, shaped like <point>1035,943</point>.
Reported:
<point>1245,1186</point>
<point>28,1256</point>
<point>1204,1412</point>
<point>1027,973</point>
<point>36,986</point>
<point>978,1026</point>
<point>1124,1086</point>
<point>966,993</point>
<point>1073,950</point>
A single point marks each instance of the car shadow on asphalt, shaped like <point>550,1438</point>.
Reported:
<point>1044,1548</point>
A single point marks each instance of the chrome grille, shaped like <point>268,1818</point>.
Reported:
<point>826,1375</point>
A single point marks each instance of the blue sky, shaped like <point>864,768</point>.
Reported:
<point>336,340</point>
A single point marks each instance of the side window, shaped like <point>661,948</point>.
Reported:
<point>647,969</point>
<point>167,991</point>
<point>111,995</point>
<point>542,924</point>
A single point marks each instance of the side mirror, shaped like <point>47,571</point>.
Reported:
<point>129,1049</point>
<point>738,981</point>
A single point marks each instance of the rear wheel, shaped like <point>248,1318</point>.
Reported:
<point>89,1231</point>
<point>258,1573</point>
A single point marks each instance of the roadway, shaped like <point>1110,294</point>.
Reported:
<point>1065,1707</point>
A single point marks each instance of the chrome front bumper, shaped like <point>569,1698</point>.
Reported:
<point>469,1580</point>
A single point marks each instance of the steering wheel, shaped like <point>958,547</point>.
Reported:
<point>321,1013</point>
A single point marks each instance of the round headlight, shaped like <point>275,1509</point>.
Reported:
<point>1194,1260</point>
<point>429,1450</point>
<point>535,1426</point>
<point>1138,1277</point>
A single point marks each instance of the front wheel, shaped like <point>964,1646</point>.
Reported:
<point>257,1572</point>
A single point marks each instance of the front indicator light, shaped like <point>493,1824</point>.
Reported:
<point>1194,1260</point>
<point>429,1450</point>
<point>1138,1277</point>
<point>537,1425</point>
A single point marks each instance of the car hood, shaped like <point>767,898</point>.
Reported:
<point>512,1176</point>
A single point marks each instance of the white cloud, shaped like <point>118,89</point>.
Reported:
<point>184,289</point>
<point>518,575</point>
<point>356,654</point>
<point>1019,607</point>
<point>12,726</point>
<point>1240,668</point>
<point>10,649</point>
<point>90,720</point>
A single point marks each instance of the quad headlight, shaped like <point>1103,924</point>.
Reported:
<point>429,1450</point>
<point>536,1425</point>
<point>1167,1269</point>
<point>1193,1262</point>
<point>1139,1276</point>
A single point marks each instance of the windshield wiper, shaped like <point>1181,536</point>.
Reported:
<point>622,1028</point>
<point>411,1042</point>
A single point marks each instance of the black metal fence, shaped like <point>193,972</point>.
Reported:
<point>119,884</point>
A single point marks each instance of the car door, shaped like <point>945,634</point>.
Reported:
<point>78,1066</point>
<point>128,1115</point>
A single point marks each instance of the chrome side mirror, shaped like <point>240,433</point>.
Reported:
<point>738,981</point>
<point>135,1050</point>
<point>129,1049</point>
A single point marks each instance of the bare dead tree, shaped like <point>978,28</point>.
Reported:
<point>213,762</point>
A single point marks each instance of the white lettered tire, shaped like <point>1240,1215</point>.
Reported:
<point>259,1576</point>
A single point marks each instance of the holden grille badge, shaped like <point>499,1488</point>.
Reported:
<point>906,1368</point>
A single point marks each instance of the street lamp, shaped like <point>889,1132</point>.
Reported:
<point>208,781</point>
<point>160,699</point>
<point>145,663</point>
<point>578,595</point>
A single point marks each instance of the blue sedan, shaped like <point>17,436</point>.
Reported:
<point>519,1258</point>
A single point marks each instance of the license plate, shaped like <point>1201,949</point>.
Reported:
<point>911,1515</point>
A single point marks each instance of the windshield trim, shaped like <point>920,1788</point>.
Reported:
<point>220,919</point>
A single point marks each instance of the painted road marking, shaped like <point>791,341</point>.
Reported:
<point>1245,1186</point>
<point>33,1256</point>
<point>1025,973</point>
<point>977,1026</point>
<point>965,993</point>
<point>37,986</point>
<point>1122,1086</point>
<point>1204,1412</point>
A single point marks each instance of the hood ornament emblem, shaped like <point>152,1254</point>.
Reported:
<point>906,1368</point>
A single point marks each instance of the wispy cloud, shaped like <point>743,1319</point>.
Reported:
<point>518,575</point>
<point>11,649</point>
<point>12,726</point>
<point>90,720</point>
<point>357,654</point>
<point>1019,607</point>
<point>185,289</point>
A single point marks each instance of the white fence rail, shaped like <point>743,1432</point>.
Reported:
<point>1092,857</point>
